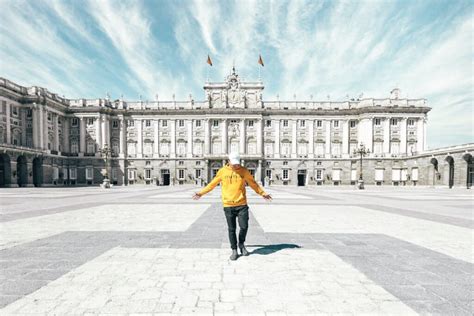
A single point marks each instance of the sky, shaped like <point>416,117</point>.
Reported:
<point>335,49</point>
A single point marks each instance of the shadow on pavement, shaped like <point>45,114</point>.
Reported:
<point>269,249</point>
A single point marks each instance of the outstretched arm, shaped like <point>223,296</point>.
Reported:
<point>217,179</point>
<point>254,185</point>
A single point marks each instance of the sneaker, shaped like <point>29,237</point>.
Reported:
<point>234,255</point>
<point>244,251</point>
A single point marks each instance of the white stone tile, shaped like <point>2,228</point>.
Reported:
<point>109,217</point>
<point>277,283</point>
<point>448,239</point>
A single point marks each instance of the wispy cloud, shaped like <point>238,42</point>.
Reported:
<point>318,48</point>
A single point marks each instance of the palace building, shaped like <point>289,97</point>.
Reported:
<point>46,139</point>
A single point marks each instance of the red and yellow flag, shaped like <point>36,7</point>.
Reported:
<point>260,60</point>
<point>209,61</point>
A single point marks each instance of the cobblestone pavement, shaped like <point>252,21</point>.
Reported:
<point>153,250</point>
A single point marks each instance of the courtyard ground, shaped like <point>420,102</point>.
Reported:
<point>152,250</point>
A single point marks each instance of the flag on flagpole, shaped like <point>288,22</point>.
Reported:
<point>209,61</point>
<point>260,60</point>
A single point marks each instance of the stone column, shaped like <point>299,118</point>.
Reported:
<point>66,135</point>
<point>98,133</point>
<point>156,136</point>
<point>105,131</point>
<point>9,130</point>
<point>45,129</point>
<point>293,138</point>
<point>23,124</point>
<point>259,137</point>
<point>370,135</point>
<point>258,176</point>
<point>139,126</point>
<point>311,139</point>
<point>82,135</point>
<point>35,127</point>
<point>242,136</point>
<point>224,136</point>
<point>403,136</point>
<point>345,138</point>
<point>386,136</point>
<point>189,151</point>
<point>207,137</point>
<point>122,142</point>
<point>173,138</point>
<point>56,132</point>
<point>424,134</point>
<point>420,137</point>
<point>328,138</point>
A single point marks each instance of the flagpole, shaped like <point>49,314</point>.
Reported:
<point>207,77</point>
<point>259,78</point>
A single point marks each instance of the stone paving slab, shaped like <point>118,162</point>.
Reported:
<point>337,251</point>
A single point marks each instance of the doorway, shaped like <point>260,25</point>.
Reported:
<point>37,172</point>
<point>450,161</point>
<point>165,176</point>
<point>21,171</point>
<point>5,171</point>
<point>470,170</point>
<point>301,178</point>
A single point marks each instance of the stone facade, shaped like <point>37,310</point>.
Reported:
<point>50,140</point>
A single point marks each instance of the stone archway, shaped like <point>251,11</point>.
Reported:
<point>470,169</point>
<point>22,171</point>
<point>37,171</point>
<point>5,171</point>
<point>434,162</point>
<point>450,162</point>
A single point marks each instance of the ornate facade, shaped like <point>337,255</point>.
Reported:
<point>50,140</point>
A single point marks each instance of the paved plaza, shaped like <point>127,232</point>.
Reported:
<point>149,250</point>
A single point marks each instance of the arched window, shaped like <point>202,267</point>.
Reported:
<point>197,148</point>
<point>164,148</point>
<point>285,147</point>
<point>181,148</point>
<point>234,145</point>
<point>216,146</point>
<point>90,146</point>
<point>251,146</point>
<point>74,146</point>
<point>131,149</point>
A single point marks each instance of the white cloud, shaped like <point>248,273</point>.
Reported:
<point>128,28</point>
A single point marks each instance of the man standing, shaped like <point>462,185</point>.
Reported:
<point>233,177</point>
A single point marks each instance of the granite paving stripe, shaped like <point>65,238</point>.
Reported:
<point>456,221</point>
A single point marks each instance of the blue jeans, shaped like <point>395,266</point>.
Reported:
<point>242,214</point>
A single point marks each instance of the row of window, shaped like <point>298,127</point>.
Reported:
<point>250,123</point>
<point>393,122</point>
<point>302,149</point>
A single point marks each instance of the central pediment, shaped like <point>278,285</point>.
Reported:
<point>232,93</point>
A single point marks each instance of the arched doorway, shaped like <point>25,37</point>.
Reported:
<point>470,170</point>
<point>434,162</point>
<point>5,171</point>
<point>450,162</point>
<point>37,171</point>
<point>21,171</point>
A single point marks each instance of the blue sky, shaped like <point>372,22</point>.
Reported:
<point>319,48</point>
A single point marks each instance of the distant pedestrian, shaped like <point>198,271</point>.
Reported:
<point>233,177</point>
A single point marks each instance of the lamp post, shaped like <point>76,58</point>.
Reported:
<point>106,151</point>
<point>362,151</point>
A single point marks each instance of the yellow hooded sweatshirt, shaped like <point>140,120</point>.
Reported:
<point>233,185</point>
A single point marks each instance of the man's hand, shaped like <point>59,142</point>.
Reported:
<point>267,197</point>
<point>196,196</point>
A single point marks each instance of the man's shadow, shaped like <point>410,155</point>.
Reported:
<point>269,249</point>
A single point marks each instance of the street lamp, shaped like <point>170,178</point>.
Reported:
<point>362,151</point>
<point>105,152</point>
